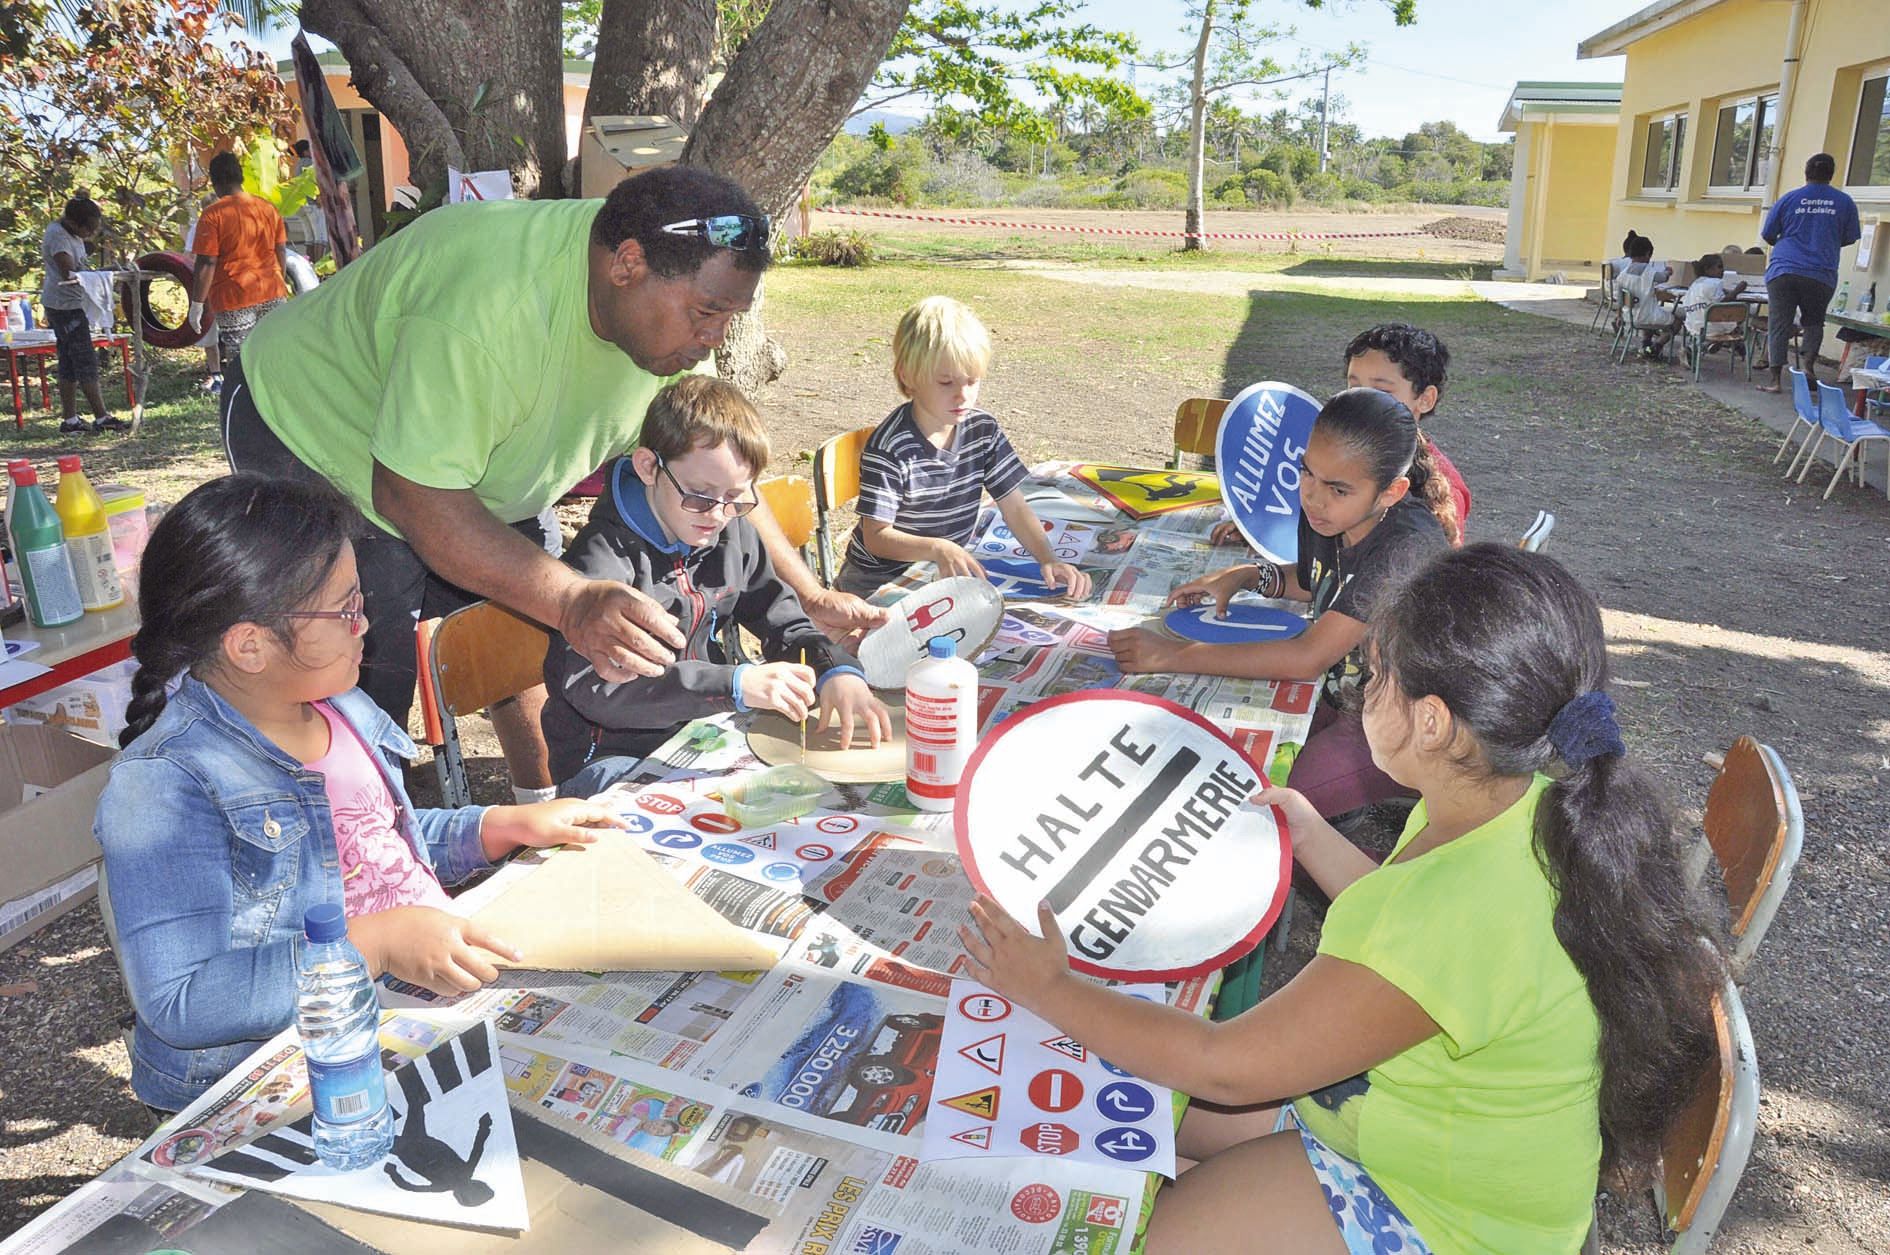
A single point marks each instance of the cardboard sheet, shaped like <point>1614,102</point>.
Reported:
<point>776,739</point>
<point>608,908</point>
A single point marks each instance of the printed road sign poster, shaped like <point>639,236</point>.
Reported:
<point>1130,815</point>
<point>1010,1084</point>
<point>454,1160</point>
<point>1262,439</point>
<point>964,609</point>
<point>1141,493</point>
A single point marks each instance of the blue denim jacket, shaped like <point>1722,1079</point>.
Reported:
<point>216,841</point>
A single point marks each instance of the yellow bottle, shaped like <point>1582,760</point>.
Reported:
<point>88,538</point>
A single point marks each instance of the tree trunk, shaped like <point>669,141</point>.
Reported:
<point>1197,135</point>
<point>473,86</point>
<point>784,99</point>
<point>652,58</point>
<point>788,92</point>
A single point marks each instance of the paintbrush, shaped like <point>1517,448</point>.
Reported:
<point>803,717</point>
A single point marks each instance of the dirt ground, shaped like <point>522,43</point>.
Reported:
<point>1735,604</point>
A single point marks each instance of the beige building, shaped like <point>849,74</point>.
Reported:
<point>1558,192</point>
<point>1722,102</point>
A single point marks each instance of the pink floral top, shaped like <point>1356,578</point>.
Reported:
<point>379,869</point>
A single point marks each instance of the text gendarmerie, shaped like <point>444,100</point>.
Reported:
<point>1185,818</point>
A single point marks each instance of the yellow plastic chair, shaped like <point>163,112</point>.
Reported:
<point>836,486</point>
<point>1197,424</point>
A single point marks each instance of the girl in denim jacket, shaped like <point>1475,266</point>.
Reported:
<point>264,782</point>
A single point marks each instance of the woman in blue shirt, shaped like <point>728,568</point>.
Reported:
<point>1807,228</point>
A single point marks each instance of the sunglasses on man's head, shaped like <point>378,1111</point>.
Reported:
<point>737,231</point>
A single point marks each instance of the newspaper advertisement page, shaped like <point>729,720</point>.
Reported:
<point>858,1054</point>
<point>1036,1206</point>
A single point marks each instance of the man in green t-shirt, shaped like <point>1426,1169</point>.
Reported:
<point>459,378</point>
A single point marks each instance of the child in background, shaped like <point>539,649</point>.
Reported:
<point>1368,518</point>
<point>266,784</point>
<point>923,473</point>
<point>62,256</point>
<point>1707,289</point>
<point>1651,317</point>
<point>670,525</point>
<point>1413,365</point>
<point>1514,1004</point>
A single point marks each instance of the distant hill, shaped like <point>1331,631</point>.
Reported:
<point>896,123</point>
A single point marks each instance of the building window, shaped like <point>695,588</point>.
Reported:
<point>1870,146</point>
<point>1660,167</point>
<point>1742,146</point>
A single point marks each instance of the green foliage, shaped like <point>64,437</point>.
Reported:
<point>263,160</point>
<point>1259,186</point>
<point>101,97</point>
<point>1149,189</point>
<point>836,248</point>
<point>984,59</point>
<point>893,173</point>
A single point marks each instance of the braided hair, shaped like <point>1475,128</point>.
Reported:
<point>240,549</point>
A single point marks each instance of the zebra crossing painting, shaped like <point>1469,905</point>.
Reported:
<point>454,1159</point>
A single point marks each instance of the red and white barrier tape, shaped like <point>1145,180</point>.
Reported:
<point>1202,235</point>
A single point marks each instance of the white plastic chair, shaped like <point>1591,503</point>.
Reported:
<point>1537,535</point>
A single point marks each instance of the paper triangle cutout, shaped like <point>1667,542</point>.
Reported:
<point>979,1137</point>
<point>980,1056</point>
<point>982,1103</point>
<point>454,1160</point>
<point>609,908</point>
<point>1070,1047</point>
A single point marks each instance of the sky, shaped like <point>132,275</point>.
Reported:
<point>1458,62</point>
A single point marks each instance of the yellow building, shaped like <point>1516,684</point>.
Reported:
<point>1722,102</point>
<point>1558,192</point>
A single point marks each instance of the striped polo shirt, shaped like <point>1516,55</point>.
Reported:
<point>906,482</point>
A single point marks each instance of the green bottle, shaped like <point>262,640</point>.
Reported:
<point>39,546</point>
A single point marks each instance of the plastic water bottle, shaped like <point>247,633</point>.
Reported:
<point>339,1018</point>
<point>941,724</point>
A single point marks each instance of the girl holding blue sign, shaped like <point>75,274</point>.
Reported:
<point>1516,1001</point>
<point>1364,524</point>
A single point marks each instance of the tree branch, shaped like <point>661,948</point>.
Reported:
<point>382,76</point>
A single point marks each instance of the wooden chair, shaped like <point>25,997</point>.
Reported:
<point>790,498</point>
<point>1197,424</point>
<point>1754,831</point>
<point>836,486</point>
<point>469,660</point>
<point>1536,538</point>
<point>1707,1149</point>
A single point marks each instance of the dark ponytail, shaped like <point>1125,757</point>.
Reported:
<point>1380,429</point>
<point>241,549</point>
<point>1509,641</point>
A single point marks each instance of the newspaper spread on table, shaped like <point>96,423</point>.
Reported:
<point>805,1086</point>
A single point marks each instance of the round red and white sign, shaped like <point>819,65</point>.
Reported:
<point>1130,816</point>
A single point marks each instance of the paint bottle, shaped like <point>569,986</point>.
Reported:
<point>1844,296</point>
<point>39,546</point>
<point>941,724</point>
<point>88,538</point>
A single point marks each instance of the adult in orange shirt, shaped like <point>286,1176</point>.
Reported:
<point>242,248</point>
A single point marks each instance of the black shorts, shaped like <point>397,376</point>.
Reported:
<point>72,337</point>
<point>397,589</point>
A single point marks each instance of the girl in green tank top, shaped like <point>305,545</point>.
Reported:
<point>1516,1001</point>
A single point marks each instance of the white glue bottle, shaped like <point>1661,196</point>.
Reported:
<point>941,724</point>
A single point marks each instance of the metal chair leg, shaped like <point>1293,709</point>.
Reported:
<point>1808,453</point>
<point>1839,472</point>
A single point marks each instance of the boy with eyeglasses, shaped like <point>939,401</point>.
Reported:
<point>670,524</point>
